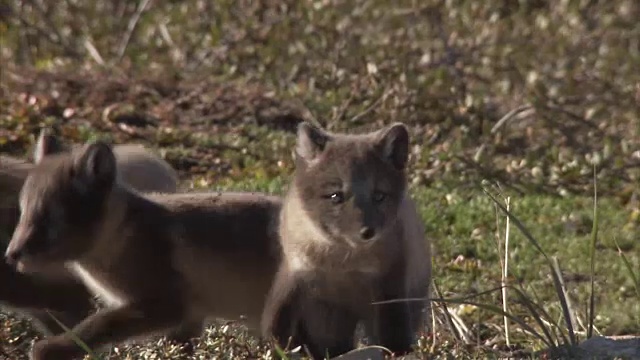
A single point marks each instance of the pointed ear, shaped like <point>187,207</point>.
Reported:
<point>95,165</point>
<point>47,144</point>
<point>393,142</point>
<point>311,141</point>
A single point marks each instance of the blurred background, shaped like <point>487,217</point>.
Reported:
<point>529,94</point>
<point>526,91</point>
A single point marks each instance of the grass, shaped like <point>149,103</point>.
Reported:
<point>530,95</point>
<point>461,225</point>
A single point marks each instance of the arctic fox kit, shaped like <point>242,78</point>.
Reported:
<point>54,288</point>
<point>159,261</point>
<point>350,235</point>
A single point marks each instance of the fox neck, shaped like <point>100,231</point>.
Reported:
<point>110,238</point>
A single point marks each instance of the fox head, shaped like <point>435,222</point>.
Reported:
<point>352,185</point>
<point>62,204</point>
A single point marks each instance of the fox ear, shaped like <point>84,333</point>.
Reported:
<point>311,142</point>
<point>95,166</point>
<point>393,142</point>
<point>46,144</point>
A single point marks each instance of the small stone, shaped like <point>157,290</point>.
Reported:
<point>366,353</point>
<point>626,347</point>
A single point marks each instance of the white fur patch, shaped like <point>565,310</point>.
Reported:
<point>301,233</point>
<point>96,287</point>
<point>300,224</point>
<point>300,262</point>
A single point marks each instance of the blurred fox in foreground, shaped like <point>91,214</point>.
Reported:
<point>53,287</point>
<point>160,262</point>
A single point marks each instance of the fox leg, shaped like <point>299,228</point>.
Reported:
<point>30,295</point>
<point>109,326</point>
<point>185,333</point>
<point>326,329</point>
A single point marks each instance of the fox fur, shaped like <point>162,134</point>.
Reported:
<point>350,236</point>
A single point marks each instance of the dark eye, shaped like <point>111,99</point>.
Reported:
<point>379,196</point>
<point>336,197</point>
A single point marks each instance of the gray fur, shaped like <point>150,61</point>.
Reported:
<point>159,262</point>
<point>350,235</point>
<point>53,287</point>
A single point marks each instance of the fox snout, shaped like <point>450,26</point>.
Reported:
<point>367,233</point>
<point>16,249</point>
<point>12,256</point>
<point>367,226</point>
<point>20,248</point>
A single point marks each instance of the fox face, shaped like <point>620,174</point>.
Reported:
<point>352,185</point>
<point>62,204</point>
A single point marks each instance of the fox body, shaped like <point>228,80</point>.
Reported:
<point>159,261</point>
<point>54,287</point>
<point>350,236</point>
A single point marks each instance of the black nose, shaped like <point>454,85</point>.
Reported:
<point>366,233</point>
<point>12,257</point>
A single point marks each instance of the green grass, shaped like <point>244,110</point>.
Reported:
<point>461,225</point>
<point>465,225</point>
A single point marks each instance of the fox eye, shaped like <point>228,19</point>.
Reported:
<point>379,196</point>
<point>336,197</point>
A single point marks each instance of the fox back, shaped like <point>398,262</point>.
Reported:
<point>137,166</point>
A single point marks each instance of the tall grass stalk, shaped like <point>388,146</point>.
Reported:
<point>592,250</point>
<point>627,264</point>
<point>447,315</point>
<point>556,280</point>
<point>74,337</point>
<point>505,271</point>
<point>564,295</point>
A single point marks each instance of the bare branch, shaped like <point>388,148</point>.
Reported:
<point>131,27</point>
<point>508,116</point>
<point>93,52</point>
<point>176,52</point>
<point>372,107</point>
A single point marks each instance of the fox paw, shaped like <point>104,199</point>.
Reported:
<point>49,349</point>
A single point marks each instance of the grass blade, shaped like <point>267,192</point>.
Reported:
<point>505,274</point>
<point>592,250</point>
<point>497,310</point>
<point>447,315</point>
<point>281,354</point>
<point>519,225</point>
<point>534,242</point>
<point>536,316</point>
<point>75,338</point>
<point>627,265</point>
<point>557,331</point>
<point>564,299</point>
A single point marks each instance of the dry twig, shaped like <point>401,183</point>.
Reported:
<point>131,27</point>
